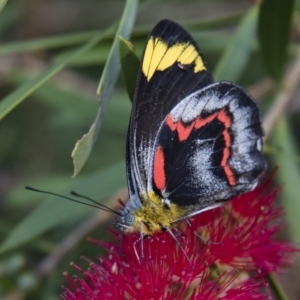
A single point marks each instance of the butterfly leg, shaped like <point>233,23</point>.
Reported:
<point>134,248</point>
<point>140,239</point>
<point>121,242</point>
<point>205,241</point>
<point>178,244</point>
<point>177,232</point>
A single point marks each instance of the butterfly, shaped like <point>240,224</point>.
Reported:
<point>192,143</point>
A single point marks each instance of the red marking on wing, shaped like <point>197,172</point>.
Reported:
<point>226,152</point>
<point>159,169</point>
<point>185,130</point>
<point>182,129</point>
<point>224,118</point>
<point>170,122</point>
<point>202,122</point>
<point>230,175</point>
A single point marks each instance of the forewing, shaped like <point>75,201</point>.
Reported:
<point>171,69</point>
<point>208,148</point>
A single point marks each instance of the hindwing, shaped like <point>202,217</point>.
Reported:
<point>208,148</point>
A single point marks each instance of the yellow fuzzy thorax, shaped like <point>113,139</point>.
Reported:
<point>155,215</point>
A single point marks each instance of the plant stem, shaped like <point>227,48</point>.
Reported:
<point>276,287</point>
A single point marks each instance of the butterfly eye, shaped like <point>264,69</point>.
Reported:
<point>129,219</point>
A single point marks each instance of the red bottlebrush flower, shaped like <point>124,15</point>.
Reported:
<point>241,251</point>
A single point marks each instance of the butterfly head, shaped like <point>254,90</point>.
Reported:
<point>126,221</point>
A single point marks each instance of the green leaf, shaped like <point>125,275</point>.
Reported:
<point>288,174</point>
<point>63,40</point>
<point>2,4</point>
<point>17,96</point>
<point>237,53</point>
<point>130,66</point>
<point>274,25</point>
<point>108,79</point>
<point>55,211</point>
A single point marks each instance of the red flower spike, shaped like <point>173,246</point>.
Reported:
<point>241,250</point>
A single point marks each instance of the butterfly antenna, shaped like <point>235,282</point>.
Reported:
<point>95,202</point>
<point>98,205</point>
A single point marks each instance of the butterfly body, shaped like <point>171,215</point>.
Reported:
<point>151,215</point>
<point>192,143</point>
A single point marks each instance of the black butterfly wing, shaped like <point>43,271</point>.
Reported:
<point>171,69</point>
<point>208,149</point>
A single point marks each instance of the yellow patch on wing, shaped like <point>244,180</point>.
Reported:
<point>159,56</point>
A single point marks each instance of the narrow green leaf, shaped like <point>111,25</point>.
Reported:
<point>112,66</point>
<point>83,148</point>
<point>237,53</point>
<point>288,174</point>
<point>108,79</point>
<point>56,211</point>
<point>17,96</point>
<point>2,4</point>
<point>52,42</point>
<point>274,25</point>
<point>130,66</point>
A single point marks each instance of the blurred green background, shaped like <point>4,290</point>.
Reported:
<point>52,56</point>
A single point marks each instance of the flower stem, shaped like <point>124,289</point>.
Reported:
<point>276,287</point>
